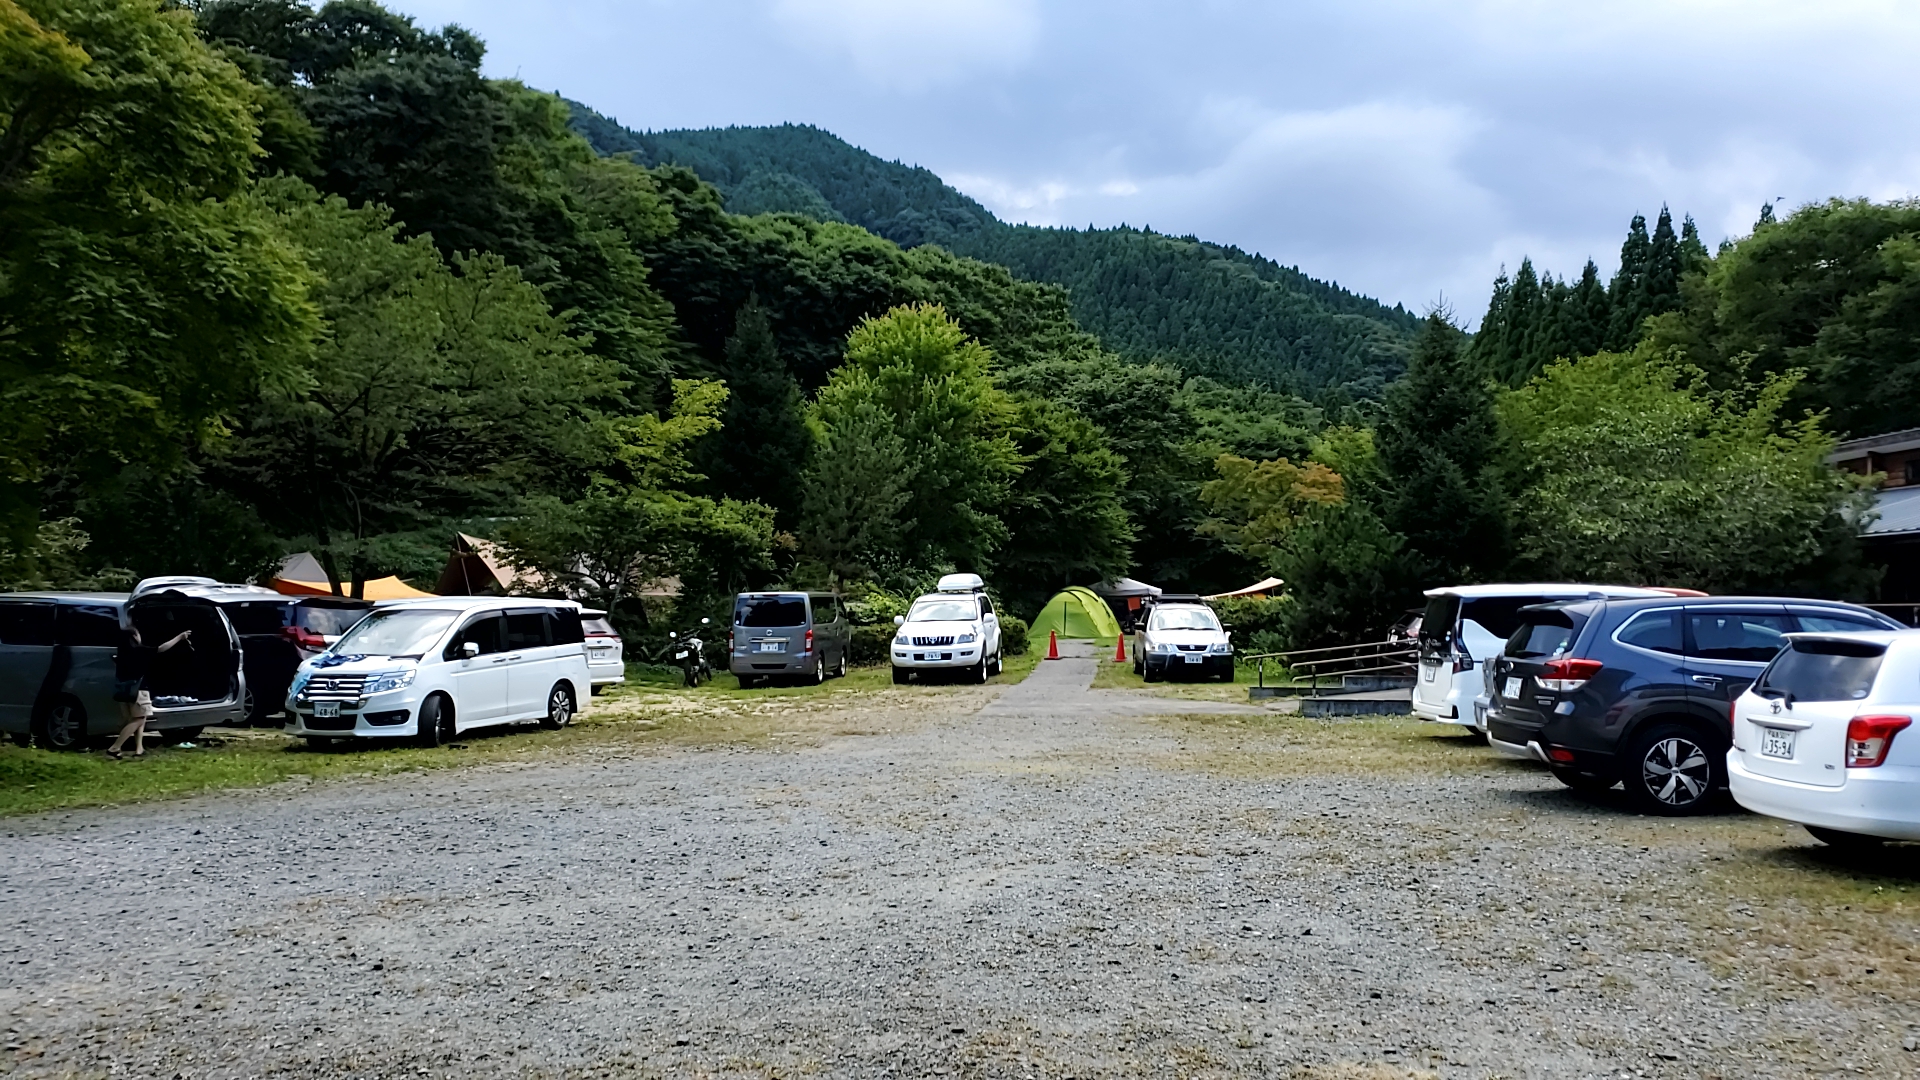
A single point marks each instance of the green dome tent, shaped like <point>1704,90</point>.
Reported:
<point>1077,613</point>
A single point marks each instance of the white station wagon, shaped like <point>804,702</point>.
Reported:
<point>427,670</point>
<point>1821,738</point>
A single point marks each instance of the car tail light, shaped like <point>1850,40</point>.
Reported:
<point>1870,737</point>
<point>807,646</point>
<point>1560,754</point>
<point>1565,676</point>
<point>1462,662</point>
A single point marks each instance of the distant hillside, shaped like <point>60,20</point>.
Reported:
<point>1209,309</point>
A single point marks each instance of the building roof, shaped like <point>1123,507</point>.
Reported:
<point>1891,442</point>
<point>1898,510</point>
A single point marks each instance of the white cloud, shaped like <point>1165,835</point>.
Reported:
<point>915,44</point>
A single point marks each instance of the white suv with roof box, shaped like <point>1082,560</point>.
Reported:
<point>954,629</point>
<point>427,670</point>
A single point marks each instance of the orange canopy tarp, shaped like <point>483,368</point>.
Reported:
<point>386,588</point>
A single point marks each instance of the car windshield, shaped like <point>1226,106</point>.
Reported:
<point>395,633</point>
<point>328,620</point>
<point>1545,632</point>
<point>941,609</point>
<point>1823,671</point>
<point>771,611</point>
<point>1183,619</point>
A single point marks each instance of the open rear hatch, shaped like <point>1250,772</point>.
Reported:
<point>198,681</point>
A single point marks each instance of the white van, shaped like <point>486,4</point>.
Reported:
<point>427,670</point>
<point>1464,625</point>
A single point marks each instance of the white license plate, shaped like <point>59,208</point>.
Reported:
<point>769,646</point>
<point>1427,671</point>
<point>1776,742</point>
<point>1511,690</point>
<point>1193,658</point>
<point>326,708</point>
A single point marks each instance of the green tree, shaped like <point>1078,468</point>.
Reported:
<point>440,391</point>
<point>856,489</point>
<point>936,385</point>
<point>1257,504</point>
<point>1629,469</point>
<point>763,443</point>
<point>1437,447</point>
<point>144,296</point>
<point>1064,516</point>
<point>1826,290</point>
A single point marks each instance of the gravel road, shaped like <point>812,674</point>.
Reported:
<point>1058,883</point>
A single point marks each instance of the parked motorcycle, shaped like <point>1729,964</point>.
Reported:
<point>691,655</point>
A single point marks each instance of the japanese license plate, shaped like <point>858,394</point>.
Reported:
<point>1427,671</point>
<point>1511,690</point>
<point>1193,658</point>
<point>1776,742</point>
<point>770,646</point>
<point>326,708</point>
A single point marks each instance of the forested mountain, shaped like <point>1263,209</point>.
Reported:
<point>1207,309</point>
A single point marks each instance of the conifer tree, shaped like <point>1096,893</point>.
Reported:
<point>763,442</point>
<point>1693,252</point>
<point>1624,289</point>
<point>1489,345</point>
<point>1437,447</point>
<point>1588,313</point>
<point>1659,289</point>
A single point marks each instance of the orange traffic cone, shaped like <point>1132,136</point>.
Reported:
<point>1120,649</point>
<point>1053,645</point>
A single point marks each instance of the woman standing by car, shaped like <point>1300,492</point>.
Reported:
<point>131,662</point>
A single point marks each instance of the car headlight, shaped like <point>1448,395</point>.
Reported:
<point>388,680</point>
<point>1166,647</point>
<point>901,640</point>
<point>1221,647</point>
<point>966,639</point>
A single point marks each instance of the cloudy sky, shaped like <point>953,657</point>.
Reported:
<point>1406,148</point>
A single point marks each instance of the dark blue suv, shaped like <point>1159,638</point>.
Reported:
<point>1638,691</point>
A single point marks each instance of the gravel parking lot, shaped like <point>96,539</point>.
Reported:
<point>1044,880</point>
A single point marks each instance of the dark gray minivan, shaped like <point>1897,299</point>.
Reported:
<point>787,634</point>
<point>56,665</point>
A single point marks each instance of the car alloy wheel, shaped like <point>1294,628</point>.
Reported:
<point>559,708</point>
<point>66,726</point>
<point>1674,772</point>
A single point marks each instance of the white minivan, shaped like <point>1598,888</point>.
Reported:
<point>1821,739</point>
<point>1464,625</point>
<point>427,670</point>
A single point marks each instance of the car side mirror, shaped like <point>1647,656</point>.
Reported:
<point>899,620</point>
<point>469,649</point>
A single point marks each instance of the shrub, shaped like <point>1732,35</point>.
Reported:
<point>1013,635</point>
<point>1254,621</point>
<point>870,644</point>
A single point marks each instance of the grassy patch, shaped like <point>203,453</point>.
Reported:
<point>651,710</point>
<point>1284,744</point>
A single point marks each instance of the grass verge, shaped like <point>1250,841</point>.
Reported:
<point>652,710</point>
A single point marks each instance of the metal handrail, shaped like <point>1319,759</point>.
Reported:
<point>1370,658</point>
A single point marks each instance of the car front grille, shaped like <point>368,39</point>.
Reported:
<point>334,688</point>
<point>925,642</point>
<point>1191,648</point>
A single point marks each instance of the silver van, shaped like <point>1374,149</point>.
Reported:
<point>56,665</point>
<point>785,634</point>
